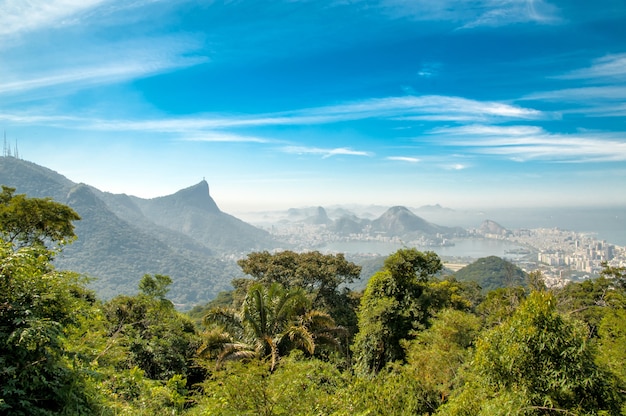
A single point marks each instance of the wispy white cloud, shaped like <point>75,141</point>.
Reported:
<point>496,13</point>
<point>20,16</point>
<point>481,130</point>
<point>582,95</point>
<point>39,119</point>
<point>603,96</point>
<point>325,153</point>
<point>99,64</point>
<point>606,68</point>
<point>523,143</point>
<point>490,13</point>
<point>423,108</point>
<point>404,159</point>
<point>97,74</point>
<point>225,138</point>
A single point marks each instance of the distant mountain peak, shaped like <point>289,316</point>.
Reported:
<point>196,196</point>
<point>400,220</point>
<point>398,209</point>
<point>320,217</point>
<point>492,227</point>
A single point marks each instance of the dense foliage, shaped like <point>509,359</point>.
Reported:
<point>276,345</point>
<point>492,273</point>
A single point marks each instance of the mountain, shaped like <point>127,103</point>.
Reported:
<point>398,221</point>
<point>122,237</point>
<point>320,217</point>
<point>491,273</point>
<point>347,225</point>
<point>193,212</point>
<point>492,227</point>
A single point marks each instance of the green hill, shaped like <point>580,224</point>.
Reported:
<point>491,273</point>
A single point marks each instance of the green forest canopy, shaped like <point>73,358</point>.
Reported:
<point>299,343</point>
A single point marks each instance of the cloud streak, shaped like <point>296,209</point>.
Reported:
<point>429,108</point>
<point>524,143</point>
<point>19,16</point>
<point>481,13</point>
<point>407,159</point>
<point>87,76</point>
<point>217,137</point>
<point>604,96</point>
<point>606,68</point>
<point>104,64</point>
<point>324,152</point>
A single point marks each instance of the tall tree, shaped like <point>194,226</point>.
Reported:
<point>393,306</point>
<point>38,306</point>
<point>319,274</point>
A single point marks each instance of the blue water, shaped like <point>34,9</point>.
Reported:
<point>469,247</point>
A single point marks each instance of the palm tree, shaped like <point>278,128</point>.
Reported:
<point>272,321</point>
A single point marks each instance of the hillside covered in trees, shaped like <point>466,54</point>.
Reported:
<point>292,339</point>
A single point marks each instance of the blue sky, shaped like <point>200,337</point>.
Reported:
<point>282,104</point>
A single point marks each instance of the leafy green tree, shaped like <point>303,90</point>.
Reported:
<point>612,348</point>
<point>320,275</point>
<point>155,286</point>
<point>28,221</point>
<point>450,293</point>
<point>393,306</point>
<point>428,378</point>
<point>616,273</point>
<point>38,306</point>
<point>500,304</point>
<point>299,386</point>
<point>160,341</point>
<point>438,353</point>
<point>272,321</point>
<point>591,299</point>
<point>394,391</point>
<point>536,281</point>
<point>536,362</point>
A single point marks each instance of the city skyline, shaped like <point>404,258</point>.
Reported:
<point>296,103</point>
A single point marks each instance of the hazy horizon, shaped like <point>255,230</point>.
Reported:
<point>294,103</point>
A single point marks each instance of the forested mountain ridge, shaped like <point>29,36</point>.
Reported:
<point>121,237</point>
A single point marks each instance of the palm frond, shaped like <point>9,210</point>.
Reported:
<point>271,351</point>
<point>235,351</point>
<point>213,342</point>
<point>302,338</point>
<point>225,317</point>
<point>318,319</point>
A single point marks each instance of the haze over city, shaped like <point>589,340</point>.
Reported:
<point>292,103</point>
